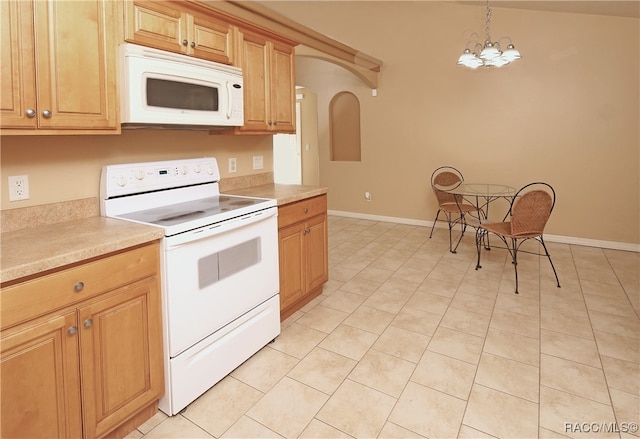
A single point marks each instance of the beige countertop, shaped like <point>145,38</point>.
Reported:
<point>33,250</point>
<point>42,246</point>
<point>283,193</point>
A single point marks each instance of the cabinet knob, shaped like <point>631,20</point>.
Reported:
<point>185,42</point>
<point>87,323</point>
<point>78,286</point>
<point>46,114</point>
<point>270,122</point>
<point>31,113</point>
<point>72,330</point>
<point>306,210</point>
<point>193,44</point>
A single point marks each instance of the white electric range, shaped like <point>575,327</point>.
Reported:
<point>220,284</point>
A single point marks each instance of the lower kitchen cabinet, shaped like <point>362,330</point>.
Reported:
<point>303,247</point>
<point>92,367</point>
<point>41,379</point>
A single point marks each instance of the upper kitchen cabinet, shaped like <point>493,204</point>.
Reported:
<point>58,67</point>
<point>267,64</point>
<point>179,27</point>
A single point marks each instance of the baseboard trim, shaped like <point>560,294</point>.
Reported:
<point>613,245</point>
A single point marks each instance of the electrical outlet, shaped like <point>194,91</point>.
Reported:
<point>233,165</point>
<point>18,187</point>
<point>258,162</point>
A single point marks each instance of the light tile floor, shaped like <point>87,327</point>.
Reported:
<point>408,340</point>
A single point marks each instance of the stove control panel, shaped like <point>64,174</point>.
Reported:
<point>135,178</point>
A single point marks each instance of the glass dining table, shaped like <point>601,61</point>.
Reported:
<point>480,194</point>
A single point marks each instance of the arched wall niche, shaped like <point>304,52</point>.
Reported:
<point>344,124</point>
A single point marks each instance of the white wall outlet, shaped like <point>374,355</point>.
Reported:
<point>18,187</point>
<point>367,196</point>
<point>258,162</point>
<point>233,165</point>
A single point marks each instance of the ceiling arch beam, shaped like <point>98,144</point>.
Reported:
<point>369,77</point>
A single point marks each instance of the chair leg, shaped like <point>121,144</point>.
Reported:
<point>463,228</point>
<point>434,223</point>
<point>479,244</point>
<point>550,261</point>
<point>514,243</point>
<point>450,224</point>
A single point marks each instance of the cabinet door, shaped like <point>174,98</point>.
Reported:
<point>283,101</point>
<point>18,94</point>
<point>255,68</point>
<point>210,38</point>
<point>121,355</point>
<point>291,250</point>
<point>157,24</point>
<point>75,58</point>
<point>317,252</point>
<point>40,380</point>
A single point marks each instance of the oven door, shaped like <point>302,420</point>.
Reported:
<point>215,274</point>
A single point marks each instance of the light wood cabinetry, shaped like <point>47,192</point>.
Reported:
<point>81,349</point>
<point>268,70</point>
<point>58,67</point>
<point>179,27</point>
<point>269,84</point>
<point>41,379</point>
<point>303,247</point>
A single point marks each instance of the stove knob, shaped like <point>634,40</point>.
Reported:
<point>196,168</point>
<point>210,170</point>
<point>139,174</point>
<point>183,170</point>
<point>121,181</point>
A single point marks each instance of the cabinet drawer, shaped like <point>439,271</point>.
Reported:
<point>301,210</point>
<point>44,294</point>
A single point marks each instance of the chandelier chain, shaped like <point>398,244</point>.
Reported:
<point>487,33</point>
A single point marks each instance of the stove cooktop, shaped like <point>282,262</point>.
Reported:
<point>178,195</point>
<point>197,213</point>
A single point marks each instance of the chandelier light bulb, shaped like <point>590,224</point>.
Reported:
<point>511,54</point>
<point>466,57</point>
<point>489,52</point>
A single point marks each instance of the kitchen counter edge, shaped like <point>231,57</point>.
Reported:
<point>30,251</point>
<point>282,193</point>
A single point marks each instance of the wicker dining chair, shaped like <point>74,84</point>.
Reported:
<point>526,219</point>
<point>453,206</point>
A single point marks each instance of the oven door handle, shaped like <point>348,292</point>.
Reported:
<point>221,227</point>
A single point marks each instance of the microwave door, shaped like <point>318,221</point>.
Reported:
<point>164,92</point>
<point>177,94</point>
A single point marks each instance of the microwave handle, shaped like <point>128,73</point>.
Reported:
<point>229,100</point>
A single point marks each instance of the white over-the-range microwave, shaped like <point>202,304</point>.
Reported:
<point>165,89</point>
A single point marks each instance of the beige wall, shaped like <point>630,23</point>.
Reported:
<point>567,113</point>
<point>309,137</point>
<point>62,168</point>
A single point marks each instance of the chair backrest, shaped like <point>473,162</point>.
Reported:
<point>446,176</point>
<point>531,208</point>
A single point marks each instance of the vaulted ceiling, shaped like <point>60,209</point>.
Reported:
<point>626,8</point>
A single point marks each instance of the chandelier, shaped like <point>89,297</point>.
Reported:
<point>490,53</point>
